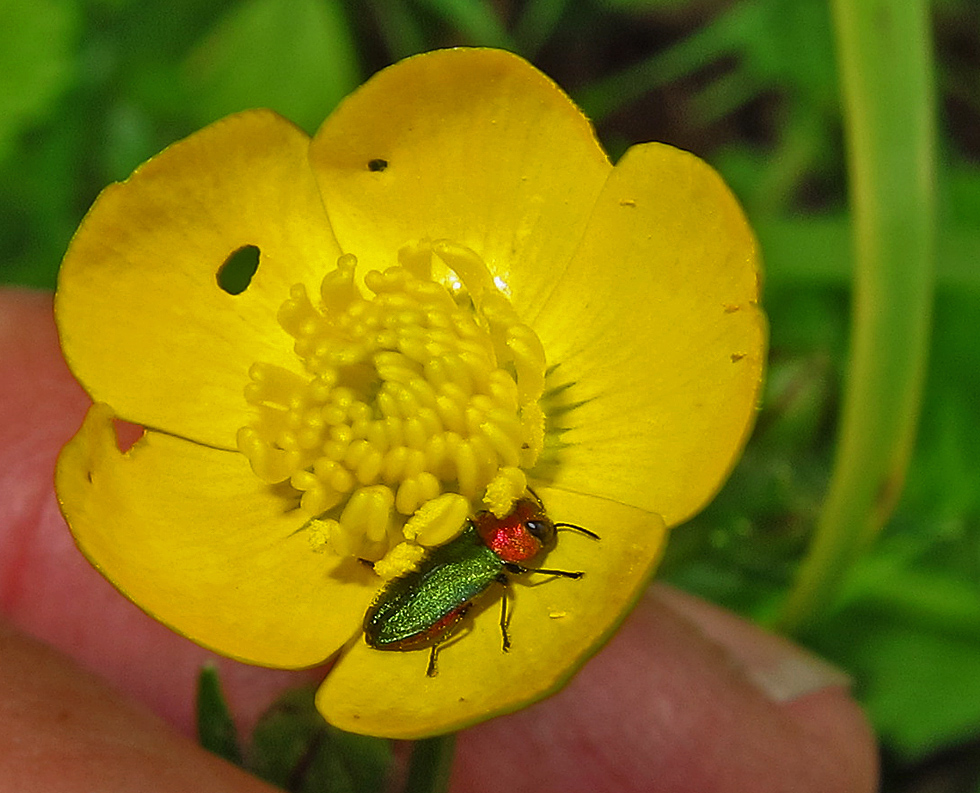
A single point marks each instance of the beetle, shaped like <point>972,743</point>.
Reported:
<point>423,607</point>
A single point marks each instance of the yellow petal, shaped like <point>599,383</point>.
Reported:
<point>480,148</point>
<point>193,537</point>
<point>143,322</point>
<point>555,625</point>
<point>657,338</point>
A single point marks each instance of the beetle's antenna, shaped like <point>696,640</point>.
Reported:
<point>573,527</point>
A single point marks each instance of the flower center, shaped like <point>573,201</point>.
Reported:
<point>416,399</point>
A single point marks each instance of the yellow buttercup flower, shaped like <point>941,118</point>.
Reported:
<point>457,297</point>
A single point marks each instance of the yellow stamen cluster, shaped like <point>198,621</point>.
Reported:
<point>422,388</point>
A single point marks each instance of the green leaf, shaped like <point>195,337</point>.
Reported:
<point>643,6</point>
<point>37,45</point>
<point>537,23</point>
<point>923,687</point>
<point>296,57</point>
<point>476,20</point>
<point>784,44</point>
<point>294,748</point>
<point>962,188</point>
<point>39,206</point>
<point>909,631</point>
<point>215,729</point>
<point>399,26</point>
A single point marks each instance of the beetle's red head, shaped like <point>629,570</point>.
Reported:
<point>521,534</point>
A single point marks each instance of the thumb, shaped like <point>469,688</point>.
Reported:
<point>47,588</point>
<point>686,697</point>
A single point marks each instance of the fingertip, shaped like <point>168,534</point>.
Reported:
<point>837,747</point>
<point>842,748</point>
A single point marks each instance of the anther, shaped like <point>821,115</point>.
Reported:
<point>410,389</point>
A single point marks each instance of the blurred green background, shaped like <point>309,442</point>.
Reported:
<point>91,88</point>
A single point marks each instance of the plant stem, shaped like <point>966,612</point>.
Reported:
<point>432,760</point>
<point>884,51</point>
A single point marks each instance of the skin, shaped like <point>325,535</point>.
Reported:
<point>95,694</point>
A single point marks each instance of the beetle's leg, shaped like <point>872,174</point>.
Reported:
<point>443,637</point>
<point>516,568</point>
<point>503,612</point>
<point>562,573</point>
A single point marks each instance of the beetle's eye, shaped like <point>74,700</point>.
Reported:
<point>537,527</point>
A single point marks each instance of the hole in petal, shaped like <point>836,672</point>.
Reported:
<point>127,434</point>
<point>377,165</point>
<point>236,273</point>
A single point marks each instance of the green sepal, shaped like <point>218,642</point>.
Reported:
<point>295,749</point>
<point>215,729</point>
